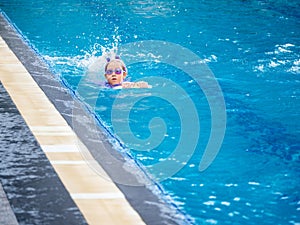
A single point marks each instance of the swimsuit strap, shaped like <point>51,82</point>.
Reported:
<point>112,86</point>
<point>115,85</point>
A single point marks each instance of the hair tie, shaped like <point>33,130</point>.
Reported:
<point>107,59</point>
<point>117,57</point>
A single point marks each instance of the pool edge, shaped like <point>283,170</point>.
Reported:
<point>149,213</point>
<point>66,168</point>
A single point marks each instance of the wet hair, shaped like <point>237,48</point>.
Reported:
<point>116,59</point>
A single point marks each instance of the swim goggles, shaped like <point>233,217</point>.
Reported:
<point>117,71</point>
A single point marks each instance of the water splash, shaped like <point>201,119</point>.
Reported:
<point>90,64</point>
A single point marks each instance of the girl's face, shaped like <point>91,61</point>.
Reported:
<point>114,73</point>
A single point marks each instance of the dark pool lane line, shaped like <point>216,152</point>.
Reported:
<point>151,208</point>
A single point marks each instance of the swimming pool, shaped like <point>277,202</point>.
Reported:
<point>252,50</point>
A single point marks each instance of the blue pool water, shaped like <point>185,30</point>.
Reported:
<point>252,49</point>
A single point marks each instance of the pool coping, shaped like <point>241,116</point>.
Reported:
<point>148,205</point>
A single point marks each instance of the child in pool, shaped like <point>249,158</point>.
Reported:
<point>115,73</point>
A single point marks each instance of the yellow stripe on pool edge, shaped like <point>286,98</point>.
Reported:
<point>99,200</point>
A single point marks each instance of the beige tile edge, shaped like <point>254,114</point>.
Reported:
<point>99,200</point>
